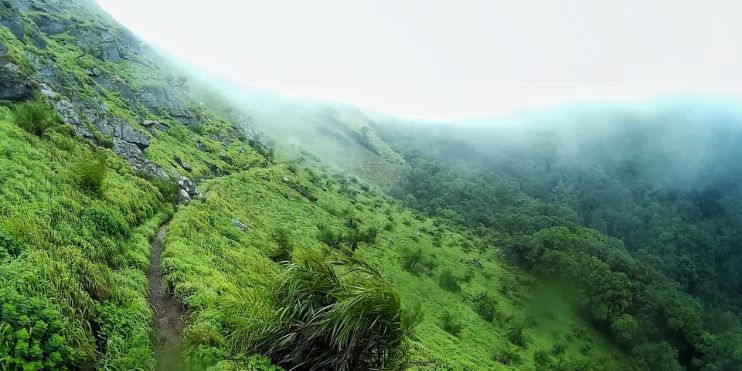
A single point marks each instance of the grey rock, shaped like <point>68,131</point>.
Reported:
<point>51,26</point>
<point>67,111</point>
<point>12,20</point>
<point>122,129</point>
<point>94,72</point>
<point>225,157</point>
<point>240,225</point>
<point>183,197</point>
<point>14,85</point>
<point>134,156</point>
<point>98,42</point>
<point>46,71</point>
<point>188,186</point>
<point>163,100</point>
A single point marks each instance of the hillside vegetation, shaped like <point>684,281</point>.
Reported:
<point>333,240</point>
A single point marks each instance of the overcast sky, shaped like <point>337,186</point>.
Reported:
<point>445,59</point>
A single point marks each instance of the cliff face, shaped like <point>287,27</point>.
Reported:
<point>113,91</point>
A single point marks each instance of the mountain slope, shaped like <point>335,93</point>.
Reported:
<point>103,141</point>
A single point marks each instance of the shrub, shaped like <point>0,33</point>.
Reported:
<point>449,281</point>
<point>105,222</point>
<point>515,335</point>
<point>327,314</point>
<point>329,237</point>
<point>35,117</point>
<point>486,306</point>
<point>508,356</point>
<point>9,247</point>
<point>412,317</point>
<point>92,174</point>
<point>284,247</point>
<point>415,262</point>
<point>450,325</point>
<point>168,188</point>
<point>34,335</point>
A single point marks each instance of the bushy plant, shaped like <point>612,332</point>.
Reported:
<point>93,174</point>
<point>284,246</point>
<point>415,262</point>
<point>515,335</point>
<point>450,324</point>
<point>168,188</point>
<point>448,281</point>
<point>329,237</point>
<point>327,314</point>
<point>486,306</point>
<point>35,117</point>
<point>33,335</point>
<point>9,247</point>
<point>412,317</point>
<point>508,356</point>
<point>104,222</point>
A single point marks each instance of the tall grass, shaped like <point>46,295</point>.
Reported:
<point>327,314</point>
<point>35,117</point>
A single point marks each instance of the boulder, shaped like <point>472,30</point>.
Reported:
<point>240,225</point>
<point>188,186</point>
<point>14,84</point>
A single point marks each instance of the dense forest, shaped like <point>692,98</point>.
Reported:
<point>635,209</point>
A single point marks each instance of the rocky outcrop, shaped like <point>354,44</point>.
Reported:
<point>134,156</point>
<point>122,129</point>
<point>161,100</point>
<point>51,26</point>
<point>14,84</point>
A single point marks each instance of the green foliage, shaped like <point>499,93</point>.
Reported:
<point>508,356</point>
<point>33,335</point>
<point>449,281</point>
<point>337,314</point>
<point>450,324</point>
<point>515,336</point>
<point>284,246</point>
<point>168,188</point>
<point>329,236</point>
<point>486,306</point>
<point>9,247</point>
<point>412,317</point>
<point>415,262</point>
<point>93,174</point>
<point>104,222</point>
<point>35,117</point>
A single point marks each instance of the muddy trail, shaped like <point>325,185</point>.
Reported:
<point>169,316</point>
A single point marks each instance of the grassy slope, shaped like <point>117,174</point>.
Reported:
<point>78,290</point>
<point>92,282</point>
<point>210,263</point>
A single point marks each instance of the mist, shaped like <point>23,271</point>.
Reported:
<point>444,60</point>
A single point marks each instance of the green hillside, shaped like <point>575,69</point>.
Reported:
<point>305,235</point>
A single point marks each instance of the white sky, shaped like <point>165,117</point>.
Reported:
<point>443,59</point>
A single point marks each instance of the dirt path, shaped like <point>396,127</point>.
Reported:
<point>168,314</point>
